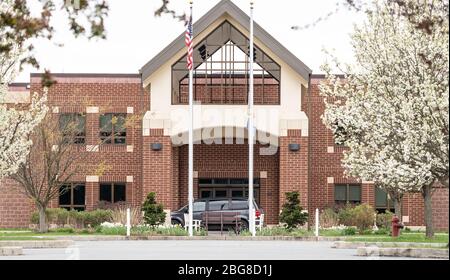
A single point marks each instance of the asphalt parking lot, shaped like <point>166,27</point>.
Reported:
<point>194,250</point>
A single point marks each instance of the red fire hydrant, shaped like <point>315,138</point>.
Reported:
<point>396,226</point>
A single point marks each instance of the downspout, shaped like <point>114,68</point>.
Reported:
<point>309,149</point>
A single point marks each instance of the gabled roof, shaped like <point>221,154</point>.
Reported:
<point>226,7</point>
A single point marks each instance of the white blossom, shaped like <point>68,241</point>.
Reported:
<point>16,123</point>
<point>391,112</point>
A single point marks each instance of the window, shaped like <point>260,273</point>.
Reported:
<point>113,192</point>
<point>382,201</point>
<point>199,206</point>
<point>227,188</point>
<point>221,71</point>
<point>239,205</point>
<point>347,193</point>
<point>220,194</point>
<point>206,194</point>
<point>112,128</point>
<point>72,197</point>
<point>218,205</point>
<point>73,127</point>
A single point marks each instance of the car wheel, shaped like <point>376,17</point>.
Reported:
<point>176,223</point>
<point>243,226</point>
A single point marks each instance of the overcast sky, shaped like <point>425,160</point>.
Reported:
<point>135,35</point>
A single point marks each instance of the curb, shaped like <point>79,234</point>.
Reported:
<point>187,238</point>
<point>10,251</point>
<point>36,244</point>
<point>236,238</point>
<point>356,245</point>
<point>91,237</point>
<point>403,252</point>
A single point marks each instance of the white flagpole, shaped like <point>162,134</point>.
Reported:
<point>191,142</point>
<point>251,132</point>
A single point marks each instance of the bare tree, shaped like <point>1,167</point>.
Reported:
<point>57,155</point>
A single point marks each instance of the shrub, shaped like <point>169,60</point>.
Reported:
<point>292,213</point>
<point>363,217</point>
<point>34,219</point>
<point>384,220</point>
<point>382,231</point>
<point>328,218</point>
<point>120,230</point>
<point>119,214</point>
<point>56,216</point>
<point>349,231</point>
<point>153,212</point>
<point>63,230</point>
<point>96,217</point>
<point>345,215</point>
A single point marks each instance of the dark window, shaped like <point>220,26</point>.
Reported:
<point>220,193</point>
<point>382,200</point>
<point>239,205</point>
<point>205,181</point>
<point>218,205</point>
<point>113,192</point>
<point>237,193</point>
<point>346,193</point>
<point>73,127</point>
<point>206,194</point>
<point>221,181</point>
<point>113,129</point>
<point>72,196</point>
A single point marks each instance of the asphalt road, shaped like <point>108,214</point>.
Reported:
<point>199,249</point>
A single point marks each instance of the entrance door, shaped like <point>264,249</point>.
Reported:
<point>227,189</point>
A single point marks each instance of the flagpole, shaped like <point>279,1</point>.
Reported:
<point>191,142</point>
<point>251,132</point>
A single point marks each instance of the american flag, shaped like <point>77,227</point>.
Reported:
<point>189,44</point>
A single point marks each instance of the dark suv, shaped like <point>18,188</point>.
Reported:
<point>214,207</point>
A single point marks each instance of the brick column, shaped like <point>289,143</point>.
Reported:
<point>158,169</point>
<point>294,167</point>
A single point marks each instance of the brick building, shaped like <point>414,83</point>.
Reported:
<point>294,150</point>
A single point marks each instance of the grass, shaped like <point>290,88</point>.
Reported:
<point>404,237</point>
<point>22,238</point>
<point>417,237</point>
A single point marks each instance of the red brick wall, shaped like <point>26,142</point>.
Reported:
<point>231,161</point>
<point>158,169</point>
<point>112,94</point>
<point>324,164</point>
<point>294,167</point>
<point>15,208</point>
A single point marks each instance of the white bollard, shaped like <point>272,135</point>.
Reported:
<point>317,222</point>
<point>128,222</point>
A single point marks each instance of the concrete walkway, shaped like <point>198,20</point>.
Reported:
<point>198,249</point>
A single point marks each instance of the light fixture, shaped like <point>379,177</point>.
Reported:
<point>156,146</point>
<point>294,147</point>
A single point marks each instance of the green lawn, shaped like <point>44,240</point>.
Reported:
<point>404,237</point>
<point>419,237</point>
<point>21,238</point>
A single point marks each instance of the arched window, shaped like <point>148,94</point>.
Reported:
<point>221,71</point>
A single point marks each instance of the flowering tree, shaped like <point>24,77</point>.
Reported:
<point>392,111</point>
<point>16,124</point>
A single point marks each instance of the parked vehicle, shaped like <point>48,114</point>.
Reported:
<point>213,207</point>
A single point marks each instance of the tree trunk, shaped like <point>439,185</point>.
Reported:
<point>42,219</point>
<point>444,181</point>
<point>426,193</point>
<point>398,207</point>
